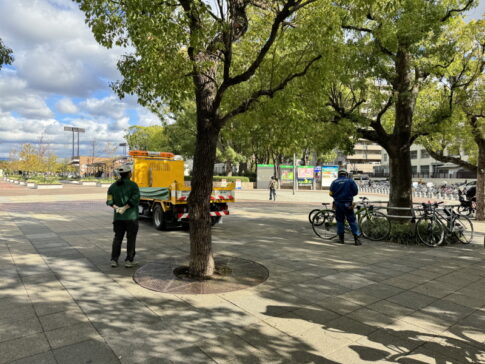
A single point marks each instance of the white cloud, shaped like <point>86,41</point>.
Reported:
<point>54,50</point>
<point>16,97</point>
<point>109,106</point>
<point>59,65</point>
<point>66,106</point>
<point>147,118</point>
<point>16,131</point>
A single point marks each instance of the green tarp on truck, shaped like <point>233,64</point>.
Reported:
<point>156,193</point>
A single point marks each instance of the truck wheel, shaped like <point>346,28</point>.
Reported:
<point>215,220</point>
<point>158,218</point>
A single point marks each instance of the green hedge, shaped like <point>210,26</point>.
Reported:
<point>230,178</point>
<point>100,180</point>
<point>220,178</point>
<point>44,181</point>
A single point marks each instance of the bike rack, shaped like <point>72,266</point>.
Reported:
<point>412,210</point>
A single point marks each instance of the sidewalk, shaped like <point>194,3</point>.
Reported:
<point>61,302</point>
<point>317,197</point>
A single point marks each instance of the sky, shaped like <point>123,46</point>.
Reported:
<point>60,77</point>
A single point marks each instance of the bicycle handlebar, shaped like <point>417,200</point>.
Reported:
<point>431,204</point>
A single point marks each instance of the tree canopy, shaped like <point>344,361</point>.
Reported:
<point>6,54</point>
<point>147,138</point>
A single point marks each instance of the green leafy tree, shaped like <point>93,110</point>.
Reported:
<point>391,51</point>
<point>6,54</point>
<point>211,54</point>
<point>463,132</point>
<point>274,131</point>
<point>151,138</point>
<point>182,133</point>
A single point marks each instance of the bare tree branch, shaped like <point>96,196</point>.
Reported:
<point>288,9</point>
<point>450,12</point>
<point>449,159</point>
<point>370,31</point>
<point>359,29</point>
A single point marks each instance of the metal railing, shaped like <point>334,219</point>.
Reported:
<point>453,196</point>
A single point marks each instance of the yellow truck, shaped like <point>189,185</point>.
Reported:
<point>164,195</point>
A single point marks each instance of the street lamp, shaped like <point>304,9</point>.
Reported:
<point>74,130</point>
<point>124,148</point>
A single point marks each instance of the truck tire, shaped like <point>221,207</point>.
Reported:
<point>215,220</point>
<point>158,218</point>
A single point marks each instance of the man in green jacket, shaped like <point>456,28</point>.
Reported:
<point>124,198</point>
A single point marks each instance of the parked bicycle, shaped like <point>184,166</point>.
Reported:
<point>432,227</point>
<point>374,225</point>
<point>468,206</point>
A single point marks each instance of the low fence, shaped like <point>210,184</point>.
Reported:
<point>421,194</point>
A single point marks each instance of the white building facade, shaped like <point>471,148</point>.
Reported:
<point>425,166</point>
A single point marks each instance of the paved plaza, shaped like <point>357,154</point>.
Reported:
<point>61,302</point>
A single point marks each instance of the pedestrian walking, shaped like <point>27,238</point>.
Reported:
<point>124,198</point>
<point>343,190</point>
<point>273,184</point>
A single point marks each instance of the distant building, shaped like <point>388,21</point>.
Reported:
<point>97,166</point>
<point>425,166</point>
<point>367,155</point>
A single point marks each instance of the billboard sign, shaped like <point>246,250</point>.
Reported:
<point>305,175</point>
<point>329,173</point>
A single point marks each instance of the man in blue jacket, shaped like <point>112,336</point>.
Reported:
<point>343,190</point>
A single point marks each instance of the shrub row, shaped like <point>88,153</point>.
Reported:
<point>220,178</point>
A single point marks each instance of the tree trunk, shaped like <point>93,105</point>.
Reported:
<point>400,179</point>
<point>243,168</point>
<point>228,168</point>
<point>400,143</point>
<point>481,182</point>
<point>201,257</point>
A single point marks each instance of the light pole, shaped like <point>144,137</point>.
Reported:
<point>124,148</point>
<point>75,130</point>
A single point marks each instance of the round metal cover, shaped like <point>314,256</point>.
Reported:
<point>236,274</point>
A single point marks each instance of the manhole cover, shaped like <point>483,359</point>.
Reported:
<point>236,274</point>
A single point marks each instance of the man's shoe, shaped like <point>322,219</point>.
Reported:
<point>341,239</point>
<point>129,264</point>
<point>357,240</point>
<point>114,263</point>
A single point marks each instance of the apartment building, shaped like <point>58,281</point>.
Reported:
<point>425,166</point>
<point>367,155</point>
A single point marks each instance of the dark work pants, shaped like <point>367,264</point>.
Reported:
<point>120,227</point>
<point>344,210</point>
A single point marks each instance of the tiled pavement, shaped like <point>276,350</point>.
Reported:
<point>60,302</point>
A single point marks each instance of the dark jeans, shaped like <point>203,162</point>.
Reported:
<point>344,211</point>
<point>120,227</point>
<point>272,194</point>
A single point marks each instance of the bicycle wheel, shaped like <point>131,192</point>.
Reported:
<point>463,229</point>
<point>312,214</point>
<point>375,226</point>
<point>462,210</point>
<point>429,230</point>
<point>324,224</point>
